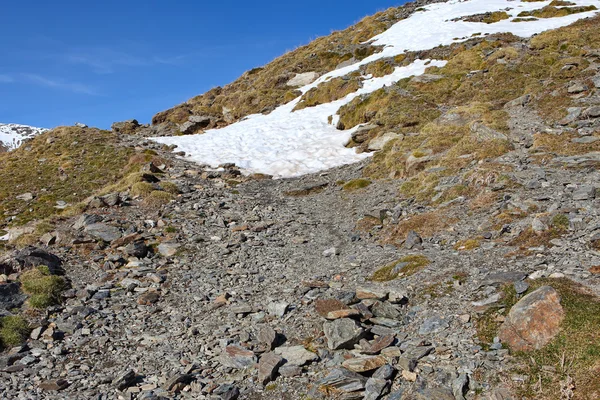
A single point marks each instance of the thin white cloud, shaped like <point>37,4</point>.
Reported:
<point>58,84</point>
<point>6,79</point>
<point>106,61</point>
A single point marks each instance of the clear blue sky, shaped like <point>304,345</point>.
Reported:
<point>103,61</point>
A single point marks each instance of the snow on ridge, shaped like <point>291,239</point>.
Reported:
<point>285,143</point>
<point>13,135</point>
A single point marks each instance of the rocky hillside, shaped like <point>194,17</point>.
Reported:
<point>450,251</point>
<point>13,135</point>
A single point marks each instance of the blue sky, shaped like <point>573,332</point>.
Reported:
<point>98,62</point>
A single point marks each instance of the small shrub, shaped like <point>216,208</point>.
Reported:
<point>44,289</point>
<point>13,331</point>
<point>169,187</point>
<point>141,189</point>
<point>157,199</point>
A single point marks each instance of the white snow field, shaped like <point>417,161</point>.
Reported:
<point>13,135</point>
<point>287,144</point>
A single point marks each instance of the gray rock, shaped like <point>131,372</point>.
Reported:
<point>384,309</point>
<point>483,133</point>
<point>104,232</point>
<point>268,366</point>
<point>592,112</point>
<point>460,386</point>
<point>85,220</point>
<point>296,355</point>
<point>31,257</point>
<point>585,139</point>
<point>124,380</point>
<point>379,142</point>
<point>519,102</point>
<point>433,325</point>
<point>577,88</point>
<point>413,241</point>
<point>344,381</point>
<point>168,249</point>
<point>11,296</point>
<point>342,333</point>
<point>375,388</point>
<point>303,79</point>
<point>520,287</point>
<point>584,193</point>
<point>573,115</point>
<point>267,336</point>
<point>386,372</point>
<point>194,124</point>
<point>237,357</point>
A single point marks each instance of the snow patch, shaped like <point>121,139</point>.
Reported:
<point>13,135</point>
<point>285,143</point>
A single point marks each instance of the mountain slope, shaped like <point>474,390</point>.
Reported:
<point>460,262</point>
<point>301,137</point>
<point>13,135</point>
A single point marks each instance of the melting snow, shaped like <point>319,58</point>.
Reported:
<point>286,144</point>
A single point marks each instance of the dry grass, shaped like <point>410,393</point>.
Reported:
<point>329,91</point>
<point>157,199</point>
<point>426,224</point>
<point>551,11</point>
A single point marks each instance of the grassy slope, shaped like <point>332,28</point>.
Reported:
<point>67,164</point>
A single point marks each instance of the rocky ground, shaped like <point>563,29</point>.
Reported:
<point>260,289</point>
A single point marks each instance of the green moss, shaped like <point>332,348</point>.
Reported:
<point>44,289</point>
<point>356,184</point>
<point>414,264</point>
<point>13,331</point>
<point>561,221</point>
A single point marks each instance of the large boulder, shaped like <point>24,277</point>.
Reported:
<point>194,124</point>
<point>534,321</point>
<point>126,127</point>
<point>31,257</point>
<point>303,79</point>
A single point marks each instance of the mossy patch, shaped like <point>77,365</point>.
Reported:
<point>408,266</point>
<point>44,289</point>
<point>356,184</point>
<point>13,331</point>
